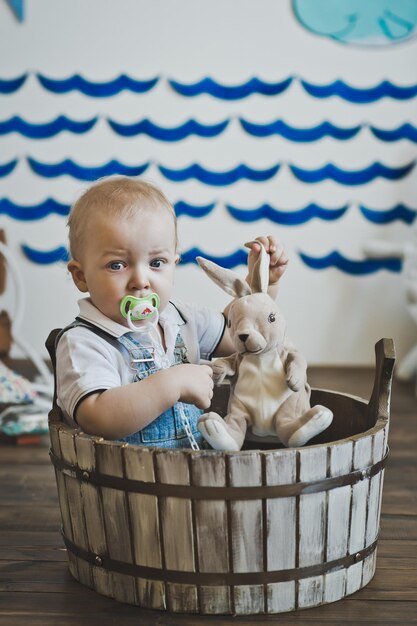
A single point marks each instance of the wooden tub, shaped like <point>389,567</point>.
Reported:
<point>250,532</point>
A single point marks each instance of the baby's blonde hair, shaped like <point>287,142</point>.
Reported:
<point>116,196</point>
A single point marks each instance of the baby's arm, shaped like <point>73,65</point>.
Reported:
<point>121,411</point>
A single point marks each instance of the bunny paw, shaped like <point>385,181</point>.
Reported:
<point>314,422</point>
<point>214,430</point>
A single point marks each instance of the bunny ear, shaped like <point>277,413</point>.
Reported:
<point>260,275</point>
<point>226,279</point>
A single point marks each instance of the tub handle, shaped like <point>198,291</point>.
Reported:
<point>379,403</point>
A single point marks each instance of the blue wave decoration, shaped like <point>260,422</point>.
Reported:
<point>147,127</point>
<point>406,131</point>
<point>286,218</point>
<point>347,177</point>
<point>397,213</point>
<point>230,92</point>
<point>7,168</point>
<point>357,95</point>
<point>47,130</point>
<point>33,212</point>
<point>218,178</point>
<point>349,266</point>
<point>279,127</point>
<point>13,84</point>
<point>68,167</point>
<point>183,208</point>
<point>239,257</point>
<point>96,90</point>
<point>46,257</point>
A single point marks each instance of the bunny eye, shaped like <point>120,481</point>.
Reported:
<point>271,318</point>
<point>229,323</point>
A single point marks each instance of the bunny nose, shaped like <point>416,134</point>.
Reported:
<point>243,338</point>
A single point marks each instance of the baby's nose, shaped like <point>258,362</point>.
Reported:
<point>139,280</point>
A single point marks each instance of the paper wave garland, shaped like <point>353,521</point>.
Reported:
<point>291,133</point>
<point>209,86</point>
<point>96,90</point>
<point>12,85</point>
<point>68,167</point>
<point>351,177</point>
<point>46,257</point>
<point>33,212</point>
<point>359,22</point>
<point>47,130</point>
<point>178,133</point>
<point>239,257</point>
<point>192,127</point>
<point>215,178</point>
<point>349,266</point>
<point>360,95</point>
<point>208,177</point>
<point>287,217</point>
<point>7,168</point>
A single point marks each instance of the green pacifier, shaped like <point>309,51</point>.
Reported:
<point>136,309</point>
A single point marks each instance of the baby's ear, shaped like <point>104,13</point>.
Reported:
<point>76,271</point>
<point>226,279</point>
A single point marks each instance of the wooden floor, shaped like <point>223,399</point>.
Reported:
<point>37,589</point>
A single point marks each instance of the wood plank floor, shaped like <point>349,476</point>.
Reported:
<point>36,588</point>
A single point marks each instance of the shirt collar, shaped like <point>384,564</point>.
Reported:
<point>90,313</point>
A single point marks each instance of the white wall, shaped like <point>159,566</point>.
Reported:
<point>333,317</point>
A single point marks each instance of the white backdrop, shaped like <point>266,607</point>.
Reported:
<point>333,317</point>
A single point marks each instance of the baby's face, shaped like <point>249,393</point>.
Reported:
<point>128,256</point>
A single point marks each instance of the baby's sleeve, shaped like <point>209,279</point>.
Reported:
<point>85,364</point>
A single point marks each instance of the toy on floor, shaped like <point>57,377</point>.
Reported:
<point>406,369</point>
<point>269,390</point>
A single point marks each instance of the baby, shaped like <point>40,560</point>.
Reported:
<point>114,363</point>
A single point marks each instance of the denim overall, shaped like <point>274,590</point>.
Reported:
<point>167,430</point>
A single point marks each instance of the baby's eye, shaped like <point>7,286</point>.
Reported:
<point>116,266</point>
<point>157,263</point>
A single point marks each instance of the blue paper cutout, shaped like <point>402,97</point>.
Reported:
<point>287,218</point>
<point>46,257</point>
<point>230,92</point>
<point>47,130</point>
<point>406,131</point>
<point>358,177</point>
<point>218,178</point>
<point>7,168</point>
<point>357,95</point>
<point>147,127</point>
<point>399,212</point>
<point>96,90</point>
<point>239,257</point>
<point>359,22</point>
<point>183,208</point>
<point>349,266</point>
<point>53,170</point>
<point>33,212</point>
<point>279,127</point>
<point>18,8</point>
<point>13,84</point>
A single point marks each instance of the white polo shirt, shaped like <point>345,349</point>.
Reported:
<point>88,362</point>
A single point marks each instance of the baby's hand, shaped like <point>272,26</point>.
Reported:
<point>196,384</point>
<point>278,259</point>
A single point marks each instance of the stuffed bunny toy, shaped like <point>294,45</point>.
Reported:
<point>269,391</point>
